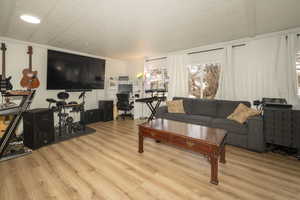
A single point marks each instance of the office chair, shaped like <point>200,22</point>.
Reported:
<point>124,105</point>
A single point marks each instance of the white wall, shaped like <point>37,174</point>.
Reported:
<point>17,60</point>
<point>116,68</point>
<point>135,67</point>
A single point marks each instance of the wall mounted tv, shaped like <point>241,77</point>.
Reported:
<point>74,72</point>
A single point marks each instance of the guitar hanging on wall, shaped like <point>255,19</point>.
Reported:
<point>30,79</point>
<point>5,83</point>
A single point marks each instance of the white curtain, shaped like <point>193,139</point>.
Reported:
<point>286,68</point>
<point>227,77</point>
<point>247,72</point>
<point>178,73</point>
<point>263,68</point>
<point>255,67</point>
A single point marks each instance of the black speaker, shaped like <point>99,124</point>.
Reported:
<point>106,109</point>
<point>38,127</point>
<point>90,116</point>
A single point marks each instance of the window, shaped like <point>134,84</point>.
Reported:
<point>156,75</point>
<point>204,80</point>
<point>298,70</point>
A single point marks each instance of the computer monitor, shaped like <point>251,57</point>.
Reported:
<point>125,88</point>
<point>123,78</point>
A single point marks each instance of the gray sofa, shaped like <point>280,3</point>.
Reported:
<point>213,113</point>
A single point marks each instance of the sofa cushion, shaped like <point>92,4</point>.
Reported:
<point>192,119</point>
<point>187,104</point>
<point>175,106</point>
<point>229,125</point>
<point>242,113</point>
<point>225,108</point>
<point>204,107</point>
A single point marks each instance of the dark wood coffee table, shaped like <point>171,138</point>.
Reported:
<point>201,139</point>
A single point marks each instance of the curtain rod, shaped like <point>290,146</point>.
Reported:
<point>195,52</point>
<point>233,46</point>
<point>162,58</point>
<point>238,45</point>
<point>286,37</point>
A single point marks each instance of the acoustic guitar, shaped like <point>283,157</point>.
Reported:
<point>5,83</point>
<point>30,79</point>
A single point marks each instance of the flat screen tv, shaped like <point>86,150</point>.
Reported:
<point>74,72</point>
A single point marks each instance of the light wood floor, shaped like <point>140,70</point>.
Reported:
<point>106,165</point>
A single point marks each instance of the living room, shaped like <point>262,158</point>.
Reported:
<point>152,99</point>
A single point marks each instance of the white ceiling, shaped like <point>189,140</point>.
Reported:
<point>127,29</point>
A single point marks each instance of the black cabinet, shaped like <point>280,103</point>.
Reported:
<point>296,129</point>
<point>91,116</point>
<point>103,114</point>
<point>282,127</point>
<point>278,126</point>
<point>106,108</point>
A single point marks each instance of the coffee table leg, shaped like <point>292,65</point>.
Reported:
<point>214,169</point>
<point>141,142</point>
<point>222,157</point>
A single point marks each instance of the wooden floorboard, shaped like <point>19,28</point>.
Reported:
<point>106,165</point>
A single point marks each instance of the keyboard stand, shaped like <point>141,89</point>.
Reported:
<point>153,108</point>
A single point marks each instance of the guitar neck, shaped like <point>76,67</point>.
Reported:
<point>3,61</point>
<point>30,63</point>
<point>30,52</point>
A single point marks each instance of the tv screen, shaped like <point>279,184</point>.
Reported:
<point>69,71</point>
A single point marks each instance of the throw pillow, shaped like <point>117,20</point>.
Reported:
<point>240,108</point>
<point>242,113</point>
<point>175,106</point>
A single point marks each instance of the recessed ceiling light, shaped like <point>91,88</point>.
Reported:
<point>30,19</point>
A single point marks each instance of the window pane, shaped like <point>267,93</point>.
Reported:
<point>156,75</point>
<point>204,80</point>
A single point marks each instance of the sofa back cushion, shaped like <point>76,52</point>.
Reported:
<point>225,108</point>
<point>203,107</point>
<point>210,107</point>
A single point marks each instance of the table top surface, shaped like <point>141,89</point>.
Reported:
<point>210,135</point>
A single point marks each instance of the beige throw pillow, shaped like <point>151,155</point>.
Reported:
<point>242,113</point>
<point>175,106</point>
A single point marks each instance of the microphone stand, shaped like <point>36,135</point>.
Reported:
<point>82,95</point>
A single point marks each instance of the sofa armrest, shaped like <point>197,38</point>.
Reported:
<point>161,111</point>
<point>256,139</point>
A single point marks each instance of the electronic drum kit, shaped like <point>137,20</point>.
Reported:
<point>65,112</point>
